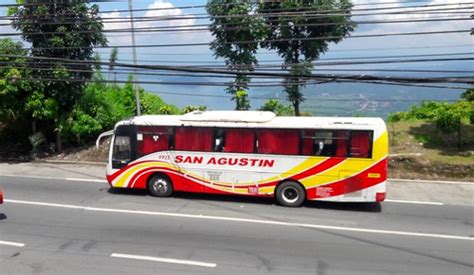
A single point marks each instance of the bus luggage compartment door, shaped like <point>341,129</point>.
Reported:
<point>353,186</point>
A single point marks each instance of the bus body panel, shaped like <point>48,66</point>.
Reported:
<point>343,179</point>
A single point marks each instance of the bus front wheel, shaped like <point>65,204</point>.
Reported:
<point>290,193</point>
<point>160,185</point>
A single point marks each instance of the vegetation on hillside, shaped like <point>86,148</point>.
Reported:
<point>450,123</point>
<point>98,108</point>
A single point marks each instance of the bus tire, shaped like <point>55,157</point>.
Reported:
<point>160,185</point>
<point>290,194</point>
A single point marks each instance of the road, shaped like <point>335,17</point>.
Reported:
<point>61,225</point>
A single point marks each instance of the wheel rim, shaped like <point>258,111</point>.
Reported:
<point>290,194</point>
<point>160,186</point>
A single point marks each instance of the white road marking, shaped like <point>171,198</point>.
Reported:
<point>52,178</point>
<point>88,180</point>
<point>416,202</point>
<point>255,221</point>
<point>12,244</point>
<point>164,260</point>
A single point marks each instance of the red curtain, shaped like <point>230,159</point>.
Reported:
<point>193,139</point>
<point>154,139</point>
<point>285,142</point>
<point>239,141</point>
<point>360,144</point>
<point>341,144</point>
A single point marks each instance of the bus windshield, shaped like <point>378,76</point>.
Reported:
<point>122,153</point>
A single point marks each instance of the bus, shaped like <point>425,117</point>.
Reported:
<point>252,153</point>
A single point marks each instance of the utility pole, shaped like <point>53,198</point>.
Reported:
<point>134,53</point>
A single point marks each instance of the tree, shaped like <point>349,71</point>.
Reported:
<point>112,60</point>
<point>14,90</point>
<point>468,94</point>
<point>298,36</point>
<point>241,100</point>
<point>61,29</point>
<point>278,108</point>
<point>191,108</point>
<point>231,23</point>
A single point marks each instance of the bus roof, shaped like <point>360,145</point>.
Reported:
<point>253,119</point>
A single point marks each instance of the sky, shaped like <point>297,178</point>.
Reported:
<point>352,47</point>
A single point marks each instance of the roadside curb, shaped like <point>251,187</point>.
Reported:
<point>71,162</point>
<point>431,181</point>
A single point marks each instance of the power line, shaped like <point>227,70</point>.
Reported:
<point>272,40</point>
<point>335,50</point>
<point>193,6</point>
<point>225,84</point>
<point>281,11</point>
<point>190,62</point>
<point>307,15</point>
<point>167,30</point>
<point>120,71</point>
<point>466,80</point>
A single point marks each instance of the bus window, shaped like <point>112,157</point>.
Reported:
<point>153,139</point>
<point>122,153</point>
<point>276,141</point>
<point>239,141</point>
<point>328,143</point>
<point>361,144</point>
<point>193,139</point>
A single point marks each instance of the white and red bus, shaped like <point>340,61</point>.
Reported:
<point>252,153</point>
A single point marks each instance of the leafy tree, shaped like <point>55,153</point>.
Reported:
<point>112,60</point>
<point>299,38</point>
<point>468,94</point>
<point>60,29</point>
<point>14,89</point>
<point>241,100</point>
<point>278,108</point>
<point>232,23</point>
<point>191,108</point>
<point>165,110</point>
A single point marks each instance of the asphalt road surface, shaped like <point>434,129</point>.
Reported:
<point>58,226</point>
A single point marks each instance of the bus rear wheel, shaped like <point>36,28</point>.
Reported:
<point>290,194</point>
<point>160,185</point>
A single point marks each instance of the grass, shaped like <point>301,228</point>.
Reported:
<point>426,153</point>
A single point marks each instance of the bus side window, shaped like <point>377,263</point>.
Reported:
<point>239,140</point>
<point>328,143</point>
<point>278,141</point>
<point>153,139</point>
<point>361,144</point>
<point>193,139</point>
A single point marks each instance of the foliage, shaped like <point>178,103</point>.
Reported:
<point>112,61</point>
<point>448,121</point>
<point>15,90</point>
<point>226,44</point>
<point>278,108</point>
<point>191,108</point>
<point>293,37</point>
<point>448,118</point>
<point>76,30</point>
<point>430,110</point>
<point>241,100</point>
<point>468,94</point>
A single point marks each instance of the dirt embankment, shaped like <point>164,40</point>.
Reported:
<point>416,167</point>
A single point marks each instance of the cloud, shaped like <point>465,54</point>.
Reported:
<point>412,40</point>
<point>159,12</point>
